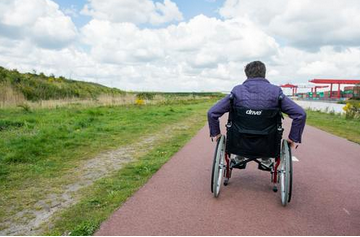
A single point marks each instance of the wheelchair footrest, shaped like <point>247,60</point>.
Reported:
<point>240,165</point>
<point>263,167</point>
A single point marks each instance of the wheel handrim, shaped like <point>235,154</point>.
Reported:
<point>283,180</point>
<point>213,168</point>
<point>219,167</point>
<point>284,173</point>
<point>220,173</point>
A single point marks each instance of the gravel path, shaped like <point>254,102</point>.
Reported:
<point>33,219</point>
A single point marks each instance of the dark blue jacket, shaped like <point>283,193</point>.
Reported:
<point>258,93</point>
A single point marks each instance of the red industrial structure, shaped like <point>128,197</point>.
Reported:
<point>335,81</point>
<point>293,87</point>
<point>313,89</point>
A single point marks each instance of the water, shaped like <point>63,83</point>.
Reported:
<point>323,106</point>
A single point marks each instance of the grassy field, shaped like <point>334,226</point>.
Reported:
<point>40,148</point>
<point>335,124</point>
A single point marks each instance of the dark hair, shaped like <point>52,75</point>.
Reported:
<point>255,69</point>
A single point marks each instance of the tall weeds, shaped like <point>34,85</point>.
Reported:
<point>9,97</point>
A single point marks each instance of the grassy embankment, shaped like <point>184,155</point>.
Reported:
<point>336,124</point>
<point>17,88</point>
<point>39,148</point>
<point>37,90</point>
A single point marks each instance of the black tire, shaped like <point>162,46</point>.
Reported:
<point>213,166</point>
<point>291,174</point>
<point>218,166</point>
<point>285,173</point>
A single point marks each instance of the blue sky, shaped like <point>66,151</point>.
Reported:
<point>193,8</point>
<point>80,20</point>
<point>189,8</point>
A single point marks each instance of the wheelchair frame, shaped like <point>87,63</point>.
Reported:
<point>280,169</point>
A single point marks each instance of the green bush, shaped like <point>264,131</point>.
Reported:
<point>145,96</point>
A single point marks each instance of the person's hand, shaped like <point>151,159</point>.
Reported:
<point>216,138</point>
<point>291,143</point>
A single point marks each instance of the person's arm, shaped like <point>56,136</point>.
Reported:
<point>297,114</point>
<point>215,113</point>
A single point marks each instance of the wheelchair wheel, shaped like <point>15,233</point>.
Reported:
<point>218,166</point>
<point>285,173</point>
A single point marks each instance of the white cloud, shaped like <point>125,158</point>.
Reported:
<point>201,49</point>
<point>134,11</point>
<point>329,63</point>
<point>121,43</point>
<point>115,49</point>
<point>202,42</point>
<point>39,21</point>
<point>298,66</point>
<point>305,24</point>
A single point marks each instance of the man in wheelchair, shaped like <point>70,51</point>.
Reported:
<point>254,130</point>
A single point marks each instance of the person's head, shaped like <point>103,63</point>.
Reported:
<point>255,69</point>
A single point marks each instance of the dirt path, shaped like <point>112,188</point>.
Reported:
<point>31,220</point>
<point>177,199</point>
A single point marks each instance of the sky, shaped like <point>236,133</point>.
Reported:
<point>181,45</point>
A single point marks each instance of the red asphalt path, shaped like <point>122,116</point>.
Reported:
<point>177,200</point>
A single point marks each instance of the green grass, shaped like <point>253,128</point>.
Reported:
<point>38,147</point>
<point>335,124</point>
<point>106,195</point>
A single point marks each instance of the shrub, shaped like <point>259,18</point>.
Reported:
<point>25,107</point>
<point>139,102</point>
<point>352,110</point>
<point>145,96</point>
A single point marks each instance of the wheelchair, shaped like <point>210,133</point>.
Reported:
<point>253,136</point>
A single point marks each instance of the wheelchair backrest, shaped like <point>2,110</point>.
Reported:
<point>254,133</point>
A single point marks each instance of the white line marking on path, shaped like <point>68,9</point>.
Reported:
<point>346,211</point>
<point>294,158</point>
